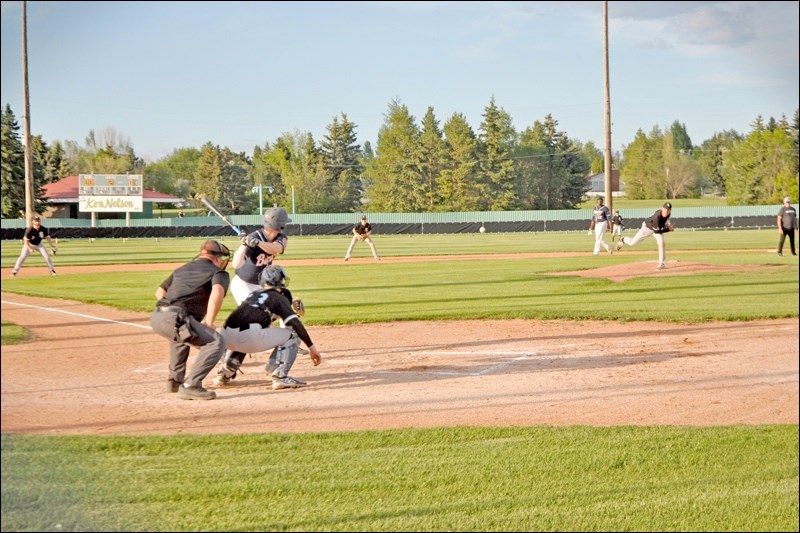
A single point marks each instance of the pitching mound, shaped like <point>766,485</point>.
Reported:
<point>648,268</point>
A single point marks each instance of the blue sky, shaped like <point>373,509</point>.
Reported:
<point>167,75</point>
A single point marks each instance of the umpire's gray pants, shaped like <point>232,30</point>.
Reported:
<point>183,333</point>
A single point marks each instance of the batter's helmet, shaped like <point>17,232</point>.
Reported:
<point>274,276</point>
<point>276,218</point>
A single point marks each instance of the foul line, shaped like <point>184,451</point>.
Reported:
<point>78,314</point>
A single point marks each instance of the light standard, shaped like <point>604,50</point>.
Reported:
<point>258,188</point>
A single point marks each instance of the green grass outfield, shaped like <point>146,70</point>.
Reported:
<point>729,478</point>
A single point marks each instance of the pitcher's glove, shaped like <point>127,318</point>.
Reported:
<point>299,307</point>
<point>53,250</point>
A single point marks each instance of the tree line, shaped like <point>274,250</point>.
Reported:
<point>427,166</point>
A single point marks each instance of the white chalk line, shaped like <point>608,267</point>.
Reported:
<point>78,314</point>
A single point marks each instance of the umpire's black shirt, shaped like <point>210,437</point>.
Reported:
<point>189,286</point>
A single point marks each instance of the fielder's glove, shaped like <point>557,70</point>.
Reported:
<point>53,250</point>
<point>299,307</point>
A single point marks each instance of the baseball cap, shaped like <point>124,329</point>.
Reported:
<point>667,205</point>
<point>37,218</point>
<point>363,217</point>
<point>787,200</point>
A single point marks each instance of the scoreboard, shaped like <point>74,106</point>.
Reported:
<point>110,192</point>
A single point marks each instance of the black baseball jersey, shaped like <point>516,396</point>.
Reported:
<point>35,235</point>
<point>658,222</point>
<point>361,229</point>
<point>788,217</point>
<point>256,259</point>
<point>190,286</point>
<point>259,307</point>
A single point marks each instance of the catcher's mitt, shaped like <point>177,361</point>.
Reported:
<point>299,307</point>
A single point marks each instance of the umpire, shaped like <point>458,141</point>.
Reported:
<point>188,303</point>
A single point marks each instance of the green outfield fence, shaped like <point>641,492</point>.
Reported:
<point>728,217</point>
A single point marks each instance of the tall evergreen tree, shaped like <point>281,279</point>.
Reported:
<point>236,183</point>
<point>12,178</point>
<point>496,168</point>
<point>433,152</point>
<point>397,183</point>
<point>680,138</point>
<point>208,174</point>
<point>341,157</point>
<point>457,182</point>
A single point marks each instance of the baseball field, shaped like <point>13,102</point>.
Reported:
<point>493,382</point>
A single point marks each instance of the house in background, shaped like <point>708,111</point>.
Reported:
<point>62,199</point>
<point>597,184</point>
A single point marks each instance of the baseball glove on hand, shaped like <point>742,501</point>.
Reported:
<point>299,307</point>
<point>53,250</point>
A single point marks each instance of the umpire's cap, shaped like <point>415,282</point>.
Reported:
<point>276,218</point>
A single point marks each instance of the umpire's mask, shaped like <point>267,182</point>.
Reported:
<point>216,249</point>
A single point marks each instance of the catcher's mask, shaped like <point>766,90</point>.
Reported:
<point>276,218</point>
<point>273,276</point>
<point>216,249</point>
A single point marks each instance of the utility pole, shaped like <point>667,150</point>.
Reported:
<point>26,121</point>
<point>607,159</point>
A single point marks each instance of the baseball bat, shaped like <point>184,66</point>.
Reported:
<point>214,209</point>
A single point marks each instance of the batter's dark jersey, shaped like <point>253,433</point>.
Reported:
<point>190,286</point>
<point>35,236</point>
<point>658,222</point>
<point>256,259</point>
<point>259,307</point>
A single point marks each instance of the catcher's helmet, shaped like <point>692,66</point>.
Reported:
<point>276,218</point>
<point>273,276</point>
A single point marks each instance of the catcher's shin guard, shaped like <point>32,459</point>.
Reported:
<point>285,356</point>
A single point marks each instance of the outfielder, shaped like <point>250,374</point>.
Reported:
<point>656,225</point>
<point>32,242</point>
<point>247,330</point>
<point>362,232</point>
<point>601,217</point>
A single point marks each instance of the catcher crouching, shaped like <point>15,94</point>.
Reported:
<point>247,330</point>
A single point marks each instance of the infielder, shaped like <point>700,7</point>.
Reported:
<point>32,242</point>
<point>601,217</point>
<point>656,225</point>
<point>247,330</point>
<point>362,232</point>
<point>618,224</point>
